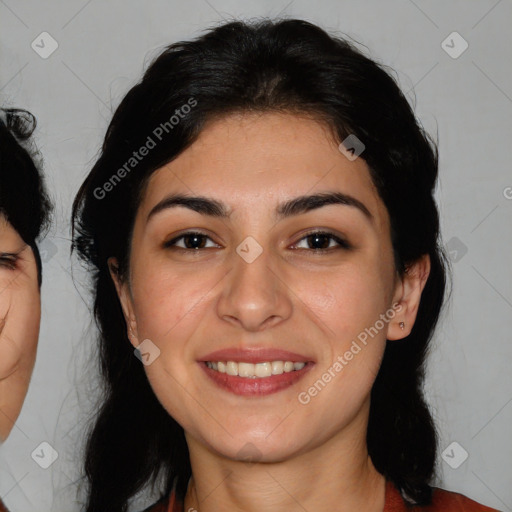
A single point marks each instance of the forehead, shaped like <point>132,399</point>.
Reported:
<point>247,159</point>
<point>5,226</point>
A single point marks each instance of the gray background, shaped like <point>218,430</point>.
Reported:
<point>103,48</point>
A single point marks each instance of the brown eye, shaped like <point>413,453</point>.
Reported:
<point>193,240</point>
<point>320,240</point>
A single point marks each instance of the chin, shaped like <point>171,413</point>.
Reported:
<point>252,449</point>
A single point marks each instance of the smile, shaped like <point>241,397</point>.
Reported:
<point>255,379</point>
<point>255,370</point>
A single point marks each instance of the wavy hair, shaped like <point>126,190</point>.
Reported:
<point>23,198</point>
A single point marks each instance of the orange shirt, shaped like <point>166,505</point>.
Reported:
<point>445,501</point>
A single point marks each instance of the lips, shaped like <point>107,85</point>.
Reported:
<point>255,386</point>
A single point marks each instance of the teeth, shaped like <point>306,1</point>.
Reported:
<point>277,367</point>
<point>288,366</point>
<point>255,370</point>
<point>231,368</point>
<point>263,369</point>
<point>246,370</point>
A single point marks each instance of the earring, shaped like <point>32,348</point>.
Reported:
<point>402,325</point>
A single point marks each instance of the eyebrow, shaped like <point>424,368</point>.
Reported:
<point>296,206</point>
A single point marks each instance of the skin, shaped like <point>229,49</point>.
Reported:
<point>20,314</point>
<point>191,303</point>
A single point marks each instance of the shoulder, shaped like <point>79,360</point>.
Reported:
<point>453,501</point>
<point>442,501</point>
<point>166,504</point>
<point>161,506</point>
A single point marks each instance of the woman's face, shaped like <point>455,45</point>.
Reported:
<point>20,313</point>
<point>258,281</point>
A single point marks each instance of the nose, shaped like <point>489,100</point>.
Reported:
<point>256,294</point>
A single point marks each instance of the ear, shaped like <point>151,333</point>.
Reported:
<point>408,295</point>
<point>126,300</point>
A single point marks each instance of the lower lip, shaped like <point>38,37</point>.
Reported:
<point>247,386</point>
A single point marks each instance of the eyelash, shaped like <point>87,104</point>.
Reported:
<point>8,261</point>
<point>342,244</point>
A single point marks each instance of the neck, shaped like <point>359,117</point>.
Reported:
<point>337,475</point>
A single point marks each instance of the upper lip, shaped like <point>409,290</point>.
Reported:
<point>254,355</point>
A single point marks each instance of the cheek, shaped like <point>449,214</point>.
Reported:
<point>163,307</point>
<point>347,305</point>
<point>166,302</point>
<point>347,298</point>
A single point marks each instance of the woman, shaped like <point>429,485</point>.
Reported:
<point>261,227</point>
<point>24,214</point>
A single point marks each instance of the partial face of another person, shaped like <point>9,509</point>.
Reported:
<point>20,314</point>
<point>260,279</point>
